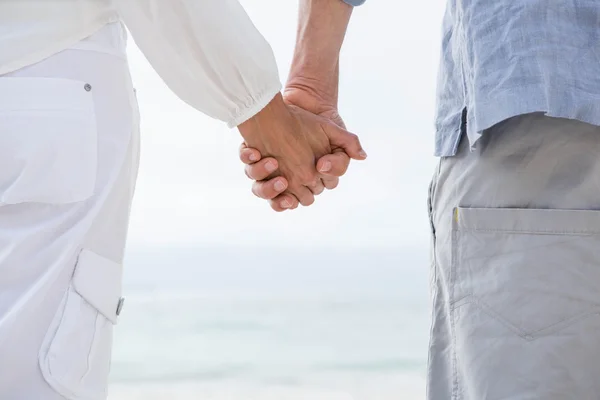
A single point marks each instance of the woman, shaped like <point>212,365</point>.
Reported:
<point>69,148</point>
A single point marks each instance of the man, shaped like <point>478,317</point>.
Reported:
<point>69,154</point>
<point>514,200</point>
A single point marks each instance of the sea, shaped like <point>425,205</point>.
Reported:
<point>233,323</point>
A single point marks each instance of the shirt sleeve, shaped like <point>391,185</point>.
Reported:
<point>208,52</point>
<point>355,3</point>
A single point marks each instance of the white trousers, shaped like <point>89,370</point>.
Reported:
<point>516,277</point>
<point>69,151</point>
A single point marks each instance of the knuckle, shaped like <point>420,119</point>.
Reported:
<point>307,178</point>
<point>314,184</point>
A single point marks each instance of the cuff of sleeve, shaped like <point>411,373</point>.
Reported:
<point>259,102</point>
<point>354,3</point>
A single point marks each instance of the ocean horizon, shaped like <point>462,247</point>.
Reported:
<point>235,323</point>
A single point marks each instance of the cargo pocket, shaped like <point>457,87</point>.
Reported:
<point>534,272</point>
<point>48,141</point>
<point>76,352</point>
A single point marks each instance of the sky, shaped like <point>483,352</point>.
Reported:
<point>192,189</point>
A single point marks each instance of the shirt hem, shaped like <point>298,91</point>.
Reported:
<point>484,115</point>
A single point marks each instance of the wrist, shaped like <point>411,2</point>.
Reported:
<point>321,86</point>
<point>266,124</point>
<point>312,94</point>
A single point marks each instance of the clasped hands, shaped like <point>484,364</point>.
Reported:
<point>295,148</point>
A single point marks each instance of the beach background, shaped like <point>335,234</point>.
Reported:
<point>220,325</point>
<point>226,300</point>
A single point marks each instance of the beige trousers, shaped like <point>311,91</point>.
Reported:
<point>516,266</point>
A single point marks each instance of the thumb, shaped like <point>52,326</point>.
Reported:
<point>339,137</point>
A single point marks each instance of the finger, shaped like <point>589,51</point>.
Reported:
<point>348,141</point>
<point>284,202</point>
<point>333,165</point>
<point>330,183</point>
<point>248,155</point>
<point>262,169</point>
<point>303,194</point>
<point>269,189</point>
<point>317,187</point>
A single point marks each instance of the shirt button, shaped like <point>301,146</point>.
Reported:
<point>120,306</point>
<point>87,87</point>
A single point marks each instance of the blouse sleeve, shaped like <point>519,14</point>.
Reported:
<point>208,52</point>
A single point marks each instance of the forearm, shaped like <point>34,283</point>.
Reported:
<point>322,27</point>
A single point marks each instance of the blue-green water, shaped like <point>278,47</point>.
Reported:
<point>272,317</point>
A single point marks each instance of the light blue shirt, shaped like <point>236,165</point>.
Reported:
<point>502,58</point>
<point>354,3</point>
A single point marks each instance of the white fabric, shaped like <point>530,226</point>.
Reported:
<point>207,51</point>
<point>61,252</point>
<point>66,119</point>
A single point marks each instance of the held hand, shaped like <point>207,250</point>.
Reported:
<point>296,138</point>
<point>330,167</point>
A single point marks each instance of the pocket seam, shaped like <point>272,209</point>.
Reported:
<point>529,232</point>
<point>489,312</point>
<point>56,384</point>
<point>453,257</point>
<point>532,221</point>
<point>62,385</point>
<point>45,349</point>
<point>523,334</point>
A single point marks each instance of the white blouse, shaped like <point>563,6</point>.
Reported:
<point>207,51</point>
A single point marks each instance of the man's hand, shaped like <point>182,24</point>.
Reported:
<point>330,168</point>
<point>296,139</point>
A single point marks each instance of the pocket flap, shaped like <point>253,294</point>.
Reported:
<point>98,280</point>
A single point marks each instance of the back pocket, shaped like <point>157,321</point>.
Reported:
<point>48,141</point>
<point>76,352</point>
<point>534,271</point>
